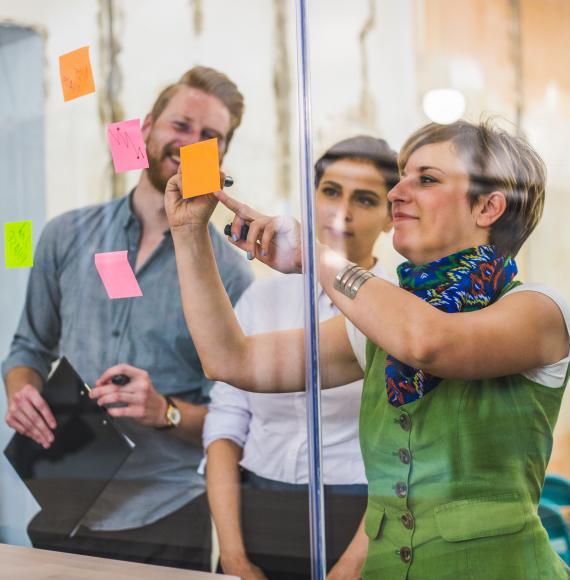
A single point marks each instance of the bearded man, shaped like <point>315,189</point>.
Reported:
<point>154,510</point>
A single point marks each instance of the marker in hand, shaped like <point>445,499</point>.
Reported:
<point>120,380</point>
<point>243,233</point>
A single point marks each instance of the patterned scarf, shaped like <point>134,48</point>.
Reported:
<point>465,281</point>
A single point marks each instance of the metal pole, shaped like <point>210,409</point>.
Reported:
<point>312,371</point>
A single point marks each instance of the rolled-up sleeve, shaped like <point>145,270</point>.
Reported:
<point>228,415</point>
<point>35,343</point>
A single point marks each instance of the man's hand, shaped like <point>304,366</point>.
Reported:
<point>29,414</point>
<point>241,567</point>
<point>140,400</point>
<point>273,240</point>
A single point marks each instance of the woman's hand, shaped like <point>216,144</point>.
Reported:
<point>187,213</point>
<point>345,570</point>
<point>241,567</point>
<point>275,241</point>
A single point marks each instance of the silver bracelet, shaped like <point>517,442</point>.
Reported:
<point>344,275</point>
<point>350,279</point>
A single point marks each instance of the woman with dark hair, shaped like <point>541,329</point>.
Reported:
<point>256,445</point>
<point>464,367</point>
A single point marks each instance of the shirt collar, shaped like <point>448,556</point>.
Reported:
<point>128,216</point>
<point>126,213</point>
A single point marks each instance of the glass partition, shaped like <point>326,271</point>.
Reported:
<point>216,450</point>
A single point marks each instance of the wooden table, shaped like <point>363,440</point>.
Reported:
<point>18,563</point>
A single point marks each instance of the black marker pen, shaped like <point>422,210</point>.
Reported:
<point>120,380</point>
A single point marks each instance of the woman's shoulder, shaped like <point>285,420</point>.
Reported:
<point>546,290</point>
<point>552,375</point>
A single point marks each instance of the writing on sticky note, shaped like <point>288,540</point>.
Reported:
<point>18,251</point>
<point>127,145</point>
<point>117,275</point>
<point>76,74</point>
<point>200,168</point>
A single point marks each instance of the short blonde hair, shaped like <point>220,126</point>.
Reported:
<point>212,82</point>
<point>495,161</point>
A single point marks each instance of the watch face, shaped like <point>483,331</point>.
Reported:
<point>173,415</point>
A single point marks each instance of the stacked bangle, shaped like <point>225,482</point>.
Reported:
<point>350,279</point>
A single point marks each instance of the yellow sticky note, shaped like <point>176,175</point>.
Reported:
<point>200,168</point>
<point>76,74</point>
<point>18,244</point>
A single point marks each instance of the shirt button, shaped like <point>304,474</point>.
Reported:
<point>405,456</point>
<point>115,333</point>
<point>407,520</point>
<point>405,554</point>
<point>405,422</point>
<point>401,489</point>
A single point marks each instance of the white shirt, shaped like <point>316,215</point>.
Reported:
<point>272,428</point>
<point>552,375</point>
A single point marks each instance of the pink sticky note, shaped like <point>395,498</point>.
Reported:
<point>127,145</point>
<point>117,275</point>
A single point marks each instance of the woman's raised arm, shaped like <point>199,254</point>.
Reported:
<point>517,333</point>
<point>271,362</point>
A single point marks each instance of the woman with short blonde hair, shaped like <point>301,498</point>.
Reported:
<point>464,367</point>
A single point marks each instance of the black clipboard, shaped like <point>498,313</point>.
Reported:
<point>85,455</point>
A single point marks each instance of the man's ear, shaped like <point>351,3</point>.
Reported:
<point>490,208</point>
<point>147,124</point>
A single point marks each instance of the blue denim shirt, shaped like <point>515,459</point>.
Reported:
<point>67,312</point>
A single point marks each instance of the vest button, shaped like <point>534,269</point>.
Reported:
<point>401,489</point>
<point>405,456</point>
<point>405,422</point>
<point>405,554</point>
<point>407,520</point>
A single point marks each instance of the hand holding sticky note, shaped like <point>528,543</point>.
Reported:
<point>117,275</point>
<point>127,145</point>
<point>18,244</point>
<point>200,165</point>
<point>76,74</point>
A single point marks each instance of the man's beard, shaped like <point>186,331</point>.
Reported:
<point>156,172</point>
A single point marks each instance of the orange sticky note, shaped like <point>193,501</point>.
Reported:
<point>76,74</point>
<point>200,168</point>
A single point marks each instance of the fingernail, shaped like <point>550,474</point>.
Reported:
<point>263,253</point>
<point>249,256</point>
<point>234,238</point>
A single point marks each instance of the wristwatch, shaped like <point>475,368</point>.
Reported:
<point>173,415</point>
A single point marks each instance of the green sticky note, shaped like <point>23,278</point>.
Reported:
<point>18,244</point>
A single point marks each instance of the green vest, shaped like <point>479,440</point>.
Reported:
<point>455,479</point>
